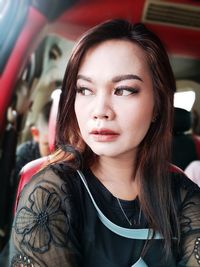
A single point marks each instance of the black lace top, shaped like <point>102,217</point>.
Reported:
<point>56,224</point>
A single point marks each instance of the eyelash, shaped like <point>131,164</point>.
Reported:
<point>80,90</point>
<point>130,90</point>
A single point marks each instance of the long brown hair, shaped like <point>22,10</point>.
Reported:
<point>154,151</point>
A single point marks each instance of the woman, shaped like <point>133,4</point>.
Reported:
<point>114,136</point>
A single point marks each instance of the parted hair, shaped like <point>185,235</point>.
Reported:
<point>154,151</point>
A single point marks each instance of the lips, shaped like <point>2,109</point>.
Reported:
<point>104,135</point>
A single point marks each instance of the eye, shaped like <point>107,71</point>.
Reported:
<point>84,91</point>
<point>125,91</point>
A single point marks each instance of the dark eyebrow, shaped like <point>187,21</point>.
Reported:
<point>116,79</point>
<point>82,77</point>
<point>120,78</point>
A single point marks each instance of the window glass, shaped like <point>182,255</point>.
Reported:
<point>185,99</point>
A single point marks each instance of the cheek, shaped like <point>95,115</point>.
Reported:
<point>82,107</point>
<point>139,118</point>
<point>81,117</point>
<point>77,111</point>
<point>79,107</point>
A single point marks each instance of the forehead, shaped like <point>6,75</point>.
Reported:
<point>116,56</point>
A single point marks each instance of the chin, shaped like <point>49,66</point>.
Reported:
<point>106,152</point>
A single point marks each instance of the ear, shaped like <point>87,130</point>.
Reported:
<point>35,133</point>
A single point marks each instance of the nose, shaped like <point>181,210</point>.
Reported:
<point>103,108</point>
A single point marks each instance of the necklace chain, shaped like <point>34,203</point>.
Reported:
<point>126,217</point>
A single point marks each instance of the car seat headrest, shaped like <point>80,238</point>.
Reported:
<point>182,120</point>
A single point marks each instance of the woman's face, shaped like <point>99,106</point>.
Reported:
<point>114,101</point>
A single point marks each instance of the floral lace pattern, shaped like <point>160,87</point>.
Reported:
<point>189,223</point>
<point>197,250</point>
<point>67,197</point>
<point>21,260</point>
<point>42,221</point>
<point>49,224</point>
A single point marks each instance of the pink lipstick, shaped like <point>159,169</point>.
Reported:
<point>104,135</point>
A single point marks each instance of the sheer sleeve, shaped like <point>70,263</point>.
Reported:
<point>190,226</point>
<point>40,234</point>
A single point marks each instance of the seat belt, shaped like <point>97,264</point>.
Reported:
<point>142,234</point>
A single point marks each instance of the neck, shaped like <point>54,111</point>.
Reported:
<point>117,176</point>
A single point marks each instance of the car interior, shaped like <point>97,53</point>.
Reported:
<point>36,40</point>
